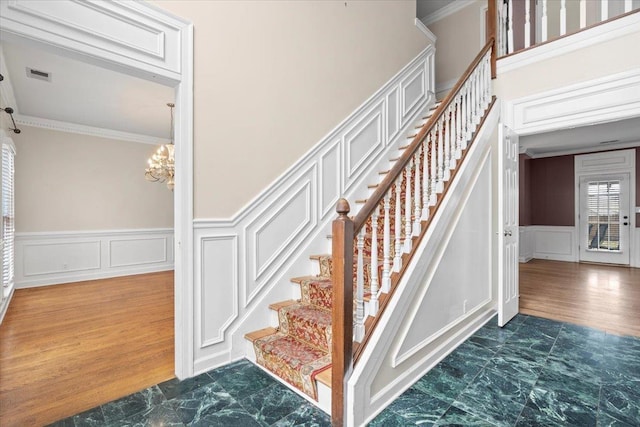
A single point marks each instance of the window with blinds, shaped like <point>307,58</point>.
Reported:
<point>603,210</point>
<point>8,222</point>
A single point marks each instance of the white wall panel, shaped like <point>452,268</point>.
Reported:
<point>555,243</point>
<point>329,178</point>
<point>413,91</point>
<point>525,244</point>
<point>53,258</point>
<point>362,143</point>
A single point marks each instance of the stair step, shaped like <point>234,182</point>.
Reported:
<point>324,377</point>
<point>307,323</point>
<point>412,136</point>
<point>260,333</point>
<point>361,201</point>
<point>278,305</point>
<point>371,186</point>
<point>383,172</point>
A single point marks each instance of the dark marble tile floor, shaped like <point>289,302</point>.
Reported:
<point>533,372</point>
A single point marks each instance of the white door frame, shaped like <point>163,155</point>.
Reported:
<point>607,163</point>
<point>146,41</point>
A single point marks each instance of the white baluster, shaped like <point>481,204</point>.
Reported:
<point>563,17</point>
<point>465,115</point>
<point>583,13</point>
<point>459,127</point>
<point>386,245</point>
<point>440,160</point>
<point>604,10</point>
<point>503,29</point>
<point>628,5</point>
<point>407,207</point>
<point>417,185</point>
<point>454,137</point>
<point>358,330</point>
<point>447,145</point>
<point>510,46</point>
<point>373,302</point>
<point>434,165</point>
<point>425,178</point>
<point>543,22</point>
<point>527,23</point>
<point>397,261</point>
<point>476,103</point>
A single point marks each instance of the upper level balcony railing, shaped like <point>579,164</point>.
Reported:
<point>526,23</point>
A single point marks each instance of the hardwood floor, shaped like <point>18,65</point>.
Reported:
<point>600,296</point>
<point>68,348</point>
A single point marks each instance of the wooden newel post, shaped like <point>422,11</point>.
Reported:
<point>342,311</point>
<point>492,17</point>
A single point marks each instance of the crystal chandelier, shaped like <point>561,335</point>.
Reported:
<point>162,163</point>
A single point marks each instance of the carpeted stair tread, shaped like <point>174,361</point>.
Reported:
<point>292,360</point>
<point>308,323</point>
<point>278,305</point>
<point>324,377</point>
<point>317,291</point>
<point>260,333</point>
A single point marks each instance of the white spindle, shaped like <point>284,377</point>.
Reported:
<point>358,330</point>
<point>386,245</point>
<point>510,47</point>
<point>459,126</point>
<point>397,261</point>
<point>447,145</point>
<point>476,103</point>
<point>417,185</point>
<point>628,5</point>
<point>563,17</point>
<point>407,207</point>
<point>373,301</point>
<point>440,160</point>
<point>465,114</point>
<point>425,178</point>
<point>454,137</point>
<point>604,10</point>
<point>527,23</point>
<point>433,135</point>
<point>583,13</point>
<point>543,22</point>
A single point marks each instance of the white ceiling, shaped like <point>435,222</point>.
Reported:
<point>619,134</point>
<point>84,94</point>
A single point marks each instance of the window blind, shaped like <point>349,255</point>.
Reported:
<point>8,220</point>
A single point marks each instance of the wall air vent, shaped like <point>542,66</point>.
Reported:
<point>38,74</point>
<point>609,142</point>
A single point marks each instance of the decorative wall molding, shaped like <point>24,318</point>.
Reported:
<point>580,40</point>
<point>558,243</point>
<point>449,9</point>
<point>613,97</point>
<point>635,238</point>
<point>288,221</point>
<point>53,258</point>
<point>427,32</point>
<point>38,122</point>
<point>526,243</point>
<point>583,150</point>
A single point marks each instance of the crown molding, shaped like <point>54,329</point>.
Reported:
<point>427,32</point>
<point>449,9</point>
<point>87,130</point>
<point>583,150</point>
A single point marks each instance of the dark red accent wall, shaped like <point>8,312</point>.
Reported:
<point>552,191</point>
<point>547,190</point>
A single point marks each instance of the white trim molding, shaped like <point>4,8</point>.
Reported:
<point>268,242</point>
<point>38,122</point>
<point>427,32</point>
<point>610,98</point>
<point>450,9</point>
<point>526,243</point>
<point>63,257</point>
<point>592,36</point>
<point>557,243</point>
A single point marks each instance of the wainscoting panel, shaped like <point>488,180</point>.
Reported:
<point>526,243</point>
<point>276,233</point>
<point>53,258</point>
<point>635,261</point>
<point>555,243</point>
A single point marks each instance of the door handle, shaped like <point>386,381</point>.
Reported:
<point>625,223</point>
<point>507,233</point>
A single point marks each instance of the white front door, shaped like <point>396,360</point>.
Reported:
<point>508,290</point>
<point>605,218</point>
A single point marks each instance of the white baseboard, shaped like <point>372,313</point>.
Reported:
<point>556,243</point>
<point>4,305</point>
<point>52,258</point>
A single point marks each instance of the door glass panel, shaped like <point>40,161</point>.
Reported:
<point>603,213</point>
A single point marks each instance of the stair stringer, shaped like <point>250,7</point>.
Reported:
<point>396,356</point>
<point>234,283</point>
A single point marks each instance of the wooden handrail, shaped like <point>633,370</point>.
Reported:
<point>492,15</point>
<point>372,202</point>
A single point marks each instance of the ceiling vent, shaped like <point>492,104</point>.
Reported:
<point>609,142</point>
<point>37,74</point>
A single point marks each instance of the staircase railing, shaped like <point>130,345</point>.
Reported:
<point>525,23</point>
<point>380,238</point>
